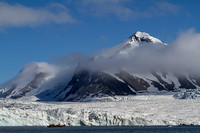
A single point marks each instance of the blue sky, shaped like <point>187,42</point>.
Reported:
<point>42,30</point>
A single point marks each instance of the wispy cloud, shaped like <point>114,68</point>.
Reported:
<point>20,15</point>
<point>126,9</point>
<point>106,7</point>
<point>103,37</point>
<point>164,6</point>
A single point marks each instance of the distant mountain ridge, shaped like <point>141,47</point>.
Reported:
<point>86,84</point>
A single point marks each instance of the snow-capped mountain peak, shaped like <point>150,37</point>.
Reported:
<point>143,37</point>
<point>127,46</point>
<point>137,39</point>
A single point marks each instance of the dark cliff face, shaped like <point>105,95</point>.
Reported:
<point>185,82</point>
<point>195,79</point>
<point>86,84</point>
<point>138,84</point>
<point>95,84</point>
<point>161,84</point>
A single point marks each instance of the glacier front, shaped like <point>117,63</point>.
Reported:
<point>128,110</point>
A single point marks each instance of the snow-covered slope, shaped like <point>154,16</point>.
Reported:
<point>31,77</point>
<point>35,81</point>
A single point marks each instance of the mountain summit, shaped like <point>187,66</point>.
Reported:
<point>144,37</point>
<point>129,44</point>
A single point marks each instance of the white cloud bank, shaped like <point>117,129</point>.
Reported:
<point>20,15</point>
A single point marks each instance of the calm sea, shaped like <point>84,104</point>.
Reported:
<point>103,129</point>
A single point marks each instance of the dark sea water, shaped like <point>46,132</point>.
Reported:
<point>103,129</point>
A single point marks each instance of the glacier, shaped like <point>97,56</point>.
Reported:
<point>141,110</point>
<point>188,94</point>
